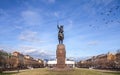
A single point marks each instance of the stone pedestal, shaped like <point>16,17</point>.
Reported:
<point>61,56</point>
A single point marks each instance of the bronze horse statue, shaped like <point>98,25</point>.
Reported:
<point>60,34</point>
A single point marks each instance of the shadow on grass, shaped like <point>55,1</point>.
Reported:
<point>114,73</point>
<point>9,73</point>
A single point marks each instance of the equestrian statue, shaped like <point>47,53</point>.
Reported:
<point>60,34</point>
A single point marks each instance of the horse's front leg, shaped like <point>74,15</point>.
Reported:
<point>59,41</point>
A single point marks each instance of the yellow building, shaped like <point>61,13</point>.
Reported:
<point>20,58</point>
<point>111,57</point>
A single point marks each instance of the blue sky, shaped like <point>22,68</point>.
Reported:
<point>91,27</point>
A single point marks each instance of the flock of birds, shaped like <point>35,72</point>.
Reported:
<point>109,16</point>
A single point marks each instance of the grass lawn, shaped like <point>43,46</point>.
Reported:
<point>43,71</point>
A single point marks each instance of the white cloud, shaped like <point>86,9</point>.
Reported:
<point>3,13</point>
<point>30,51</point>
<point>29,36</point>
<point>36,52</point>
<point>18,27</point>
<point>56,14</point>
<point>69,25</point>
<point>93,43</point>
<point>31,17</point>
<point>27,49</point>
<point>4,16</point>
<point>89,7</point>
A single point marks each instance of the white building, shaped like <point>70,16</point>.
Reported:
<point>69,63</point>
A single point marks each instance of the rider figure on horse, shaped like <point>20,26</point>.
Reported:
<point>60,34</point>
